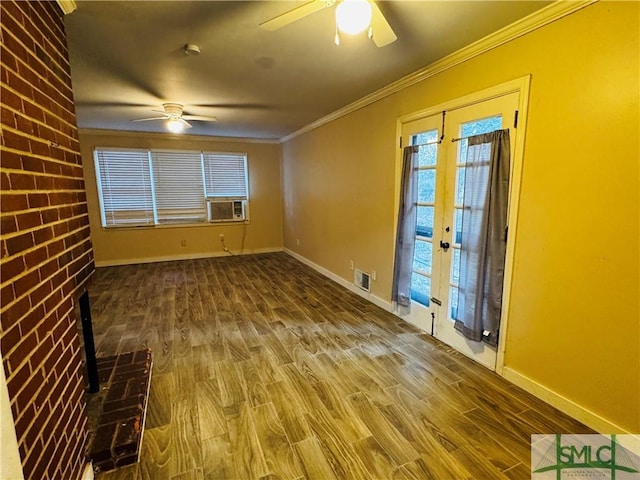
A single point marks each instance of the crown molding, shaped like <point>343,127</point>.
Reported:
<point>67,6</point>
<point>173,136</point>
<point>519,28</point>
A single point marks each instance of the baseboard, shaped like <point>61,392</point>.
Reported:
<point>380,302</point>
<point>571,408</point>
<point>187,256</point>
<point>88,474</point>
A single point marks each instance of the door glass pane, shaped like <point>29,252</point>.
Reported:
<point>476,127</point>
<point>427,185</point>
<point>420,288</point>
<point>453,301</point>
<point>427,155</point>
<point>460,183</point>
<point>422,256</point>
<point>468,129</point>
<point>426,178</point>
<point>424,137</point>
<point>425,222</point>
<point>455,267</point>
<point>457,226</point>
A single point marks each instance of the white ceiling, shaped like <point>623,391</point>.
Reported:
<point>127,58</point>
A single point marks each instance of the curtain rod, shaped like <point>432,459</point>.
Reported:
<point>469,136</point>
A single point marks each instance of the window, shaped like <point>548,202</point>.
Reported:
<point>153,187</point>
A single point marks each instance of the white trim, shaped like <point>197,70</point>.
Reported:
<point>10,466</point>
<point>187,256</point>
<point>88,474</point>
<point>170,136</point>
<point>536,20</point>
<point>380,302</point>
<point>67,6</point>
<point>520,85</point>
<point>512,220</point>
<point>562,403</point>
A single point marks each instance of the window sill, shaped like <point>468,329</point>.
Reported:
<point>173,225</point>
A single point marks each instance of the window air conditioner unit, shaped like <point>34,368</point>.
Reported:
<point>225,210</point>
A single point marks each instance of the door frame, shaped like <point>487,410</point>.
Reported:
<point>520,85</point>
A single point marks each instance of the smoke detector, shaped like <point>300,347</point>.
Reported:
<point>191,49</point>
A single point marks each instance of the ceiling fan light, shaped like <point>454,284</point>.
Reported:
<point>175,126</point>
<point>353,16</point>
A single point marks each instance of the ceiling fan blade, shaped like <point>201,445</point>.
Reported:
<point>184,122</point>
<point>383,34</point>
<point>150,118</point>
<point>201,118</point>
<point>295,14</point>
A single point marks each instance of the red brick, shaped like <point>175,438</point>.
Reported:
<point>15,312</point>
<point>44,182</point>
<point>35,450</point>
<point>22,425</point>
<point>26,282</point>
<point>28,220</point>
<point>50,215</point>
<point>23,349</point>
<point>19,243</point>
<point>7,295</point>
<point>40,148</point>
<point>12,268</point>
<point>5,183</point>
<point>43,234</point>
<point>25,125</point>
<point>10,339</point>
<point>7,117</point>
<point>34,111</point>
<point>16,141</point>
<point>41,351</point>
<point>38,200</point>
<point>30,389</point>
<point>32,164</point>
<point>8,224</point>
<point>40,293</point>
<point>10,159</point>
<point>13,202</point>
<point>53,358</point>
<point>11,99</point>
<point>21,181</point>
<point>35,257</point>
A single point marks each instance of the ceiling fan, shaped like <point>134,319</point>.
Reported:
<point>378,27</point>
<point>176,119</point>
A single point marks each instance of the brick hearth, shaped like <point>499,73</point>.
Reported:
<point>117,412</point>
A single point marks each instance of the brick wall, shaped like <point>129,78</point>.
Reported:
<point>46,250</point>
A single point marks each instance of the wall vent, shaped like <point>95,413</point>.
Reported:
<point>362,279</point>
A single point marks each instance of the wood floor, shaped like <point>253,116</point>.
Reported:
<point>264,369</point>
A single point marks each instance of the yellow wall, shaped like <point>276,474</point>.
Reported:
<point>263,233</point>
<point>574,324</point>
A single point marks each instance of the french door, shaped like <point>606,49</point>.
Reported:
<point>440,179</point>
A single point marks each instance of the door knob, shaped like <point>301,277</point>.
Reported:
<point>444,245</point>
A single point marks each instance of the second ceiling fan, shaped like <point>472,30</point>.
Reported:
<point>379,29</point>
<point>176,118</point>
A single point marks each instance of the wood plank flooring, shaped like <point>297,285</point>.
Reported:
<point>264,369</point>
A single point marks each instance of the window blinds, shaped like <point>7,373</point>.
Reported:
<point>148,187</point>
<point>125,187</point>
<point>225,175</point>
<point>179,192</point>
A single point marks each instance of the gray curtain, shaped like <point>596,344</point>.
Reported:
<point>406,233</point>
<point>483,245</point>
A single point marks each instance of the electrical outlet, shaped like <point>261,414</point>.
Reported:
<point>297,242</point>
<point>351,266</point>
<point>373,275</point>
<point>183,243</point>
<point>222,236</point>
